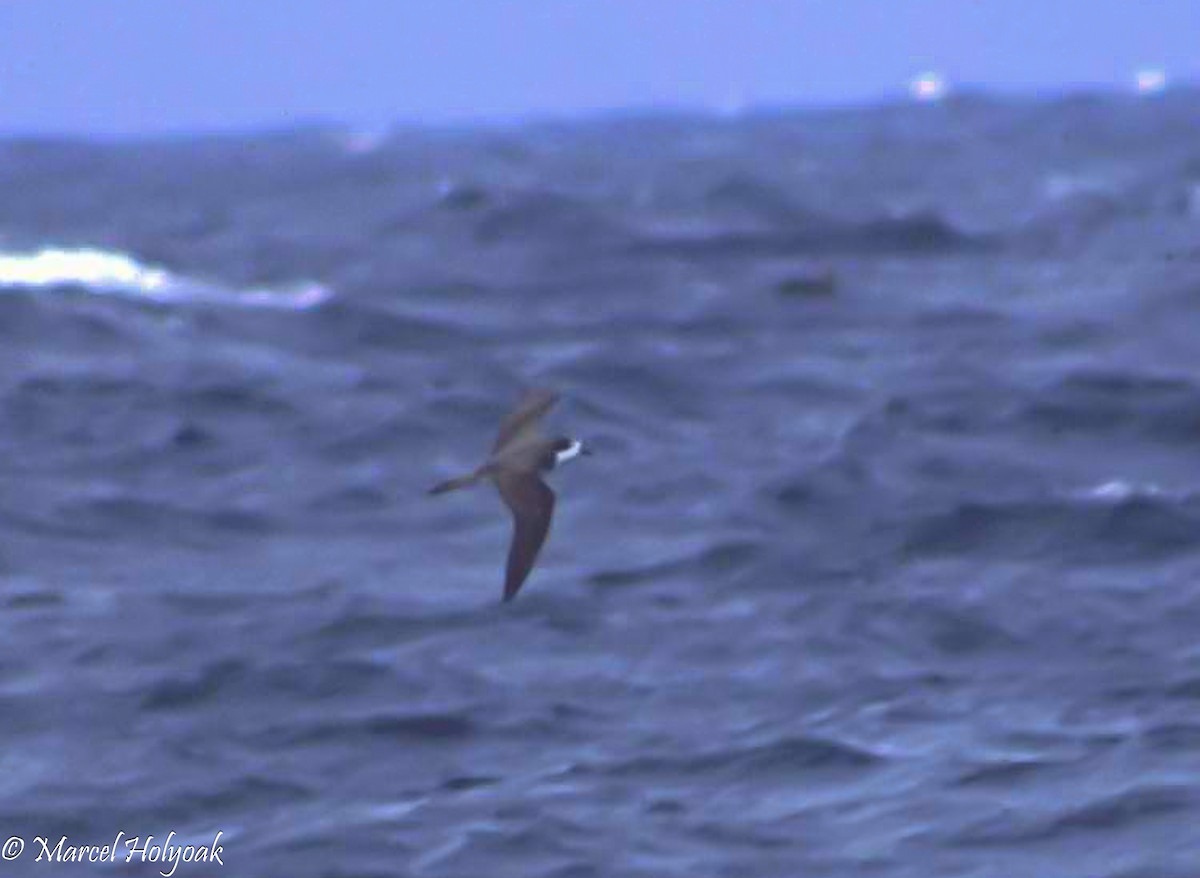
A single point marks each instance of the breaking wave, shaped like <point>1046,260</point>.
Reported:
<point>106,272</point>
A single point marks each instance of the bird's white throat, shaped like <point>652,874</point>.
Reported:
<point>572,450</point>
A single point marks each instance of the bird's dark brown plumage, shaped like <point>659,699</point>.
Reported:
<point>524,417</point>
<point>519,455</point>
<point>532,505</point>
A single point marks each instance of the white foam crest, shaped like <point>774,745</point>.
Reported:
<point>106,272</point>
<point>1119,491</point>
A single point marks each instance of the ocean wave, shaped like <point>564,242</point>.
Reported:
<point>797,754</point>
<point>728,556</point>
<point>1071,218</point>
<point>1105,814</point>
<point>850,586</point>
<point>1127,526</point>
<point>417,726</point>
<point>543,216</point>
<point>1120,491</point>
<point>110,516</point>
<point>1165,408</point>
<point>917,233</point>
<point>107,272</point>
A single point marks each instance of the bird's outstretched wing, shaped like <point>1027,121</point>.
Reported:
<point>532,505</point>
<point>524,417</point>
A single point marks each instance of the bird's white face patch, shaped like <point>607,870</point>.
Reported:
<point>572,450</point>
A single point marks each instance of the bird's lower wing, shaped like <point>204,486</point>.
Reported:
<point>532,505</point>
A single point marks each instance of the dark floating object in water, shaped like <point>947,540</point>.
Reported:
<point>463,196</point>
<point>817,282</point>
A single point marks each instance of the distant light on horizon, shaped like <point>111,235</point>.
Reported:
<point>1150,80</point>
<point>362,141</point>
<point>732,103</point>
<point>927,86</point>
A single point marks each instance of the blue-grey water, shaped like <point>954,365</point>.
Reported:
<point>887,563</point>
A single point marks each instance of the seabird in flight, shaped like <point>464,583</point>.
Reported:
<point>520,454</point>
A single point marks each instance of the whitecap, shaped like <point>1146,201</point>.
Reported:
<point>107,272</point>
<point>1120,491</point>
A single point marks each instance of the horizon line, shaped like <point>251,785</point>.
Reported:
<point>464,123</point>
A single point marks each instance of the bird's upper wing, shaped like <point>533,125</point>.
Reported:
<point>532,505</point>
<point>524,417</point>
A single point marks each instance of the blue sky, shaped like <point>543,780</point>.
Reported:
<point>107,67</point>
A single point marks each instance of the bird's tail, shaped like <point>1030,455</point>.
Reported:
<point>455,484</point>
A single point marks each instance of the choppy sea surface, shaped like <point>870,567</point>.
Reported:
<point>887,563</point>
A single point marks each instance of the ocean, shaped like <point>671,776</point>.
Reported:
<point>887,562</point>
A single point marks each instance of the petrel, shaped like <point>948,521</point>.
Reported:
<point>520,454</point>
